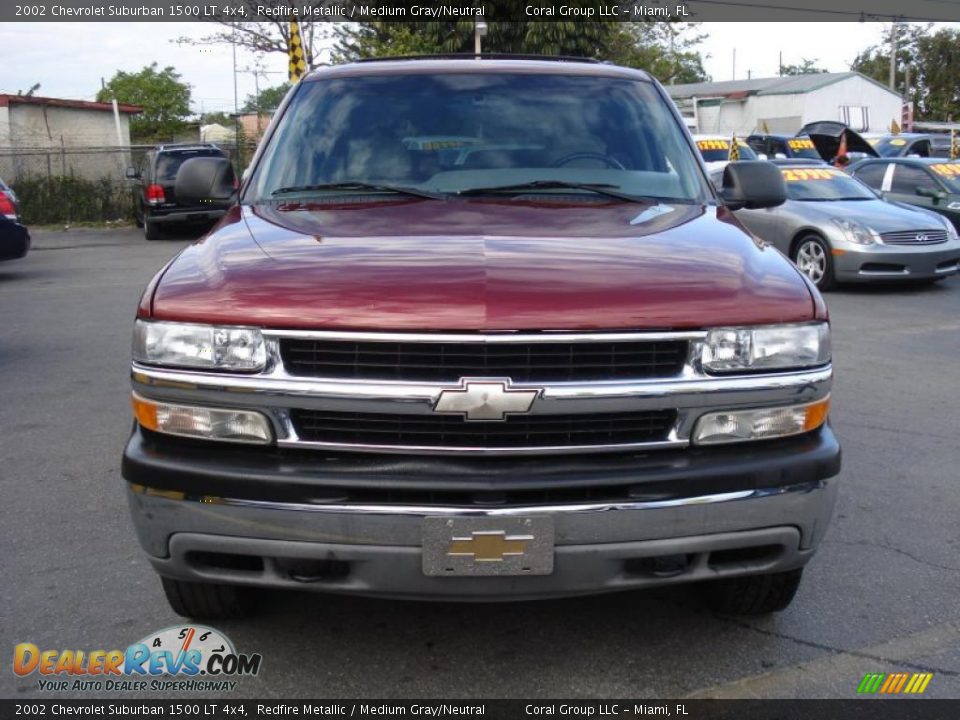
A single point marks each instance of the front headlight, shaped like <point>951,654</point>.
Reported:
<point>855,232</point>
<point>209,347</point>
<point>769,347</point>
<point>949,227</point>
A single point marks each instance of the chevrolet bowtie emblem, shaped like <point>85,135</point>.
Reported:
<point>485,400</point>
<point>489,545</point>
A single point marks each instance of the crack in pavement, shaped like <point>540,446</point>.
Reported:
<point>893,548</point>
<point>840,651</point>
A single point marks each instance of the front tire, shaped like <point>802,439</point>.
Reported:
<point>753,594</point>
<point>207,601</point>
<point>814,259</point>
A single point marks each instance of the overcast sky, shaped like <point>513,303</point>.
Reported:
<point>69,59</point>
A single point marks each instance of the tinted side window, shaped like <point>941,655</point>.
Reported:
<point>907,179</point>
<point>872,175</point>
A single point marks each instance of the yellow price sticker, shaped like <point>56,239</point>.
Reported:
<point>951,170</point>
<point>713,144</point>
<point>801,144</point>
<point>800,175</point>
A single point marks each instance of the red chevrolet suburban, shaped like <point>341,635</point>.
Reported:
<point>480,329</point>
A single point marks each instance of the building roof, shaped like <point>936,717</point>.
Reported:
<point>7,100</point>
<point>786,85</point>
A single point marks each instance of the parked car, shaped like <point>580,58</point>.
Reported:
<point>14,237</point>
<point>155,203</point>
<point>715,150</point>
<point>826,136</point>
<point>9,207</point>
<point>783,146</point>
<point>911,144</point>
<point>553,365</point>
<point>838,230</point>
<point>930,183</point>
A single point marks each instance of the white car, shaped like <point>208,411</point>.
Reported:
<point>715,150</point>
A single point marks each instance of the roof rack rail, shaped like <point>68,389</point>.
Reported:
<point>181,145</point>
<point>484,56</point>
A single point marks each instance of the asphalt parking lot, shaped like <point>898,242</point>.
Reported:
<point>881,596</point>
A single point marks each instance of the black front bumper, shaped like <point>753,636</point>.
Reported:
<point>232,471</point>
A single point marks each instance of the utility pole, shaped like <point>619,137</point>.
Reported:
<point>780,72</point>
<point>893,55</point>
<point>479,31</point>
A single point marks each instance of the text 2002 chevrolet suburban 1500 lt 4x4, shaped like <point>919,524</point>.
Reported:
<point>480,330</point>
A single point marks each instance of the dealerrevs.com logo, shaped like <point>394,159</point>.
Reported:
<point>179,658</point>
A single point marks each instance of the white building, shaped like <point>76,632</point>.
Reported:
<point>785,104</point>
<point>55,136</point>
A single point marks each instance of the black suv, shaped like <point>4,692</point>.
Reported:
<point>155,203</point>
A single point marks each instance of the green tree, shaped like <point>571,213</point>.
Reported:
<point>937,90</point>
<point>804,67</point>
<point>930,61</point>
<point>269,98</point>
<point>164,99</point>
<point>874,61</point>
<point>666,49</point>
<point>218,118</point>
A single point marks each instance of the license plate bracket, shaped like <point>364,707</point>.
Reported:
<point>487,546</point>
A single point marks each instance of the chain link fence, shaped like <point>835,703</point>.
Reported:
<point>71,184</point>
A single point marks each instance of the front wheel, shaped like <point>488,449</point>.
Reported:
<point>752,594</point>
<point>813,257</point>
<point>207,601</point>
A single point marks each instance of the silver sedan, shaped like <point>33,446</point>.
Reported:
<point>836,229</point>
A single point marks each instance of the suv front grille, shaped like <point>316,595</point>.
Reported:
<point>442,431</point>
<point>451,361</point>
<point>915,237</point>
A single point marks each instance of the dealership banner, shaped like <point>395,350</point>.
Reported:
<point>475,10</point>
<point>214,709</point>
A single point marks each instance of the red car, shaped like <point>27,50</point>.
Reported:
<point>480,330</point>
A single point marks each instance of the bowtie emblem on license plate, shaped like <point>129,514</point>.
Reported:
<point>488,546</point>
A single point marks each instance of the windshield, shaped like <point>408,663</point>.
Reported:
<point>949,175</point>
<point>719,149</point>
<point>823,184</point>
<point>889,146</point>
<point>802,147</point>
<point>449,133</point>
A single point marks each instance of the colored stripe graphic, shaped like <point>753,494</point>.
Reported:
<point>894,683</point>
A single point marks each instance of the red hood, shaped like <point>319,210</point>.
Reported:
<point>480,265</point>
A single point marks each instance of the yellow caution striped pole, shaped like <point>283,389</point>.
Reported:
<point>298,61</point>
<point>734,150</point>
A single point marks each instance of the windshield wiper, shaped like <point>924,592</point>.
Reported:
<point>599,188</point>
<point>376,187</point>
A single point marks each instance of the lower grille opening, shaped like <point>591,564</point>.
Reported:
<point>882,268</point>
<point>949,265</point>
<point>225,561</point>
<point>446,431</point>
<point>661,566</point>
<point>310,571</point>
<point>746,555</point>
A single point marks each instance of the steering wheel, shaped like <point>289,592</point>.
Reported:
<point>606,159</point>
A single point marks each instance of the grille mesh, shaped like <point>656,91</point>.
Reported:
<point>450,361</point>
<point>447,431</point>
<point>915,237</point>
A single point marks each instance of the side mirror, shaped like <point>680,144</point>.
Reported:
<point>930,192</point>
<point>752,184</point>
<point>204,179</point>
<point>132,173</point>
